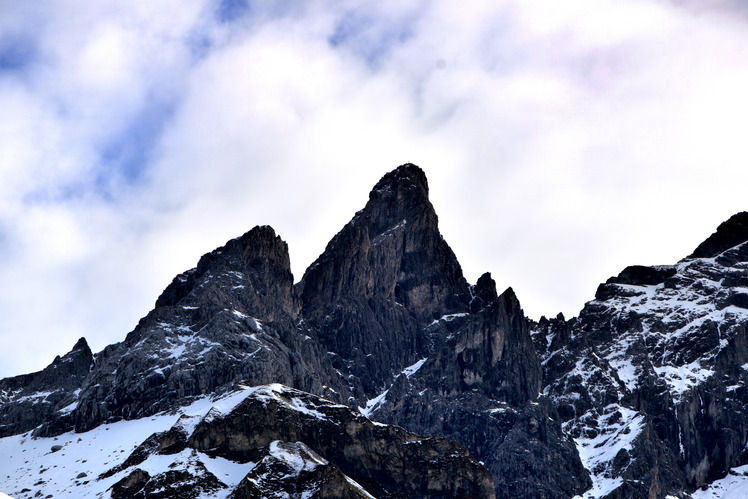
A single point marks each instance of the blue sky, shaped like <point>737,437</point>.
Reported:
<point>562,141</point>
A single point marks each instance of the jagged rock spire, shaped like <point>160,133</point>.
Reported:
<point>400,195</point>
<point>392,249</point>
<point>385,275</point>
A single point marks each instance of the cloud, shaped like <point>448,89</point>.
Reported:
<point>562,141</point>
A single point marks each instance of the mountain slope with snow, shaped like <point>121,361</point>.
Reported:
<point>259,440</point>
<point>650,378</point>
<point>242,383</point>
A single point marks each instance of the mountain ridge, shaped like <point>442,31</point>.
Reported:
<point>385,323</point>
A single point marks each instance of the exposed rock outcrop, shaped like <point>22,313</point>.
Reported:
<point>650,378</point>
<point>481,388</point>
<point>388,298</point>
<point>380,279</point>
<point>289,443</point>
<point>29,400</point>
<point>233,317</point>
<point>729,234</point>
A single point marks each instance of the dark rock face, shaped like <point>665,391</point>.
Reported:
<point>380,279</point>
<point>169,485</point>
<point>481,389</point>
<point>276,477</point>
<point>729,234</point>
<point>261,268</point>
<point>234,317</point>
<point>388,295</point>
<point>639,275</point>
<point>385,460</point>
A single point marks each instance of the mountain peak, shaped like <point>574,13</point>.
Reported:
<point>402,195</point>
<point>390,264</point>
<point>81,344</point>
<point>259,257</point>
<point>391,249</point>
<point>729,234</point>
<point>407,176</point>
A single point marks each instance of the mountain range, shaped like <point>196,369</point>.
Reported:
<point>383,373</point>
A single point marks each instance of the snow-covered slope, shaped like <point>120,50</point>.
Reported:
<point>252,440</point>
<point>733,486</point>
<point>73,463</point>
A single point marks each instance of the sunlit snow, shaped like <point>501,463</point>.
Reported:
<point>411,370</point>
<point>30,463</point>
<point>733,486</point>
<point>373,404</point>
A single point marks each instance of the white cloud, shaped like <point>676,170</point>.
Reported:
<point>562,141</point>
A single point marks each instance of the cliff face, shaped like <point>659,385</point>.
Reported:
<point>233,317</point>
<point>380,279</point>
<point>274,385</point>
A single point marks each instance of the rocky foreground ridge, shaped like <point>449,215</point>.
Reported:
<point>384,373</point>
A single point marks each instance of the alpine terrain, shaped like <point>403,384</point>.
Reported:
<point>383,373</point>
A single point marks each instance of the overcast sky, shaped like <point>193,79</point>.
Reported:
<point>562,140</point>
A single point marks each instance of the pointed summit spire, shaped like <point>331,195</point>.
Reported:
<point>399,196</point>
<point>407,176</point>
<point>388,269</point>
<point>392,249</point>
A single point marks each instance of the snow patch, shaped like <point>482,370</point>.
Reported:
<point>448,318</point>
<point>683,378</point>
<point>356,486</point>
<point>733,486</point>
<point>253,323</point>
<point>374,404</point>
<point>35,396</point>
<point>229,472</point>
<point>69,408</point>
<point>378,239</point>
<point>626,371</point>
<point>239,314</point>
<point>411,370</point>
<point>29,463</point>
<point>296,455</point>
<point>601,487</point>
<point>597,453</point>
<point>303,408</point>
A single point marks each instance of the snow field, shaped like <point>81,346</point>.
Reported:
<point>29,466</point>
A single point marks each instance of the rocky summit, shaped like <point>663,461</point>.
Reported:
<point>383,373</point>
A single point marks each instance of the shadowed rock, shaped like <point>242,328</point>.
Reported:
<point>730,233</point>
